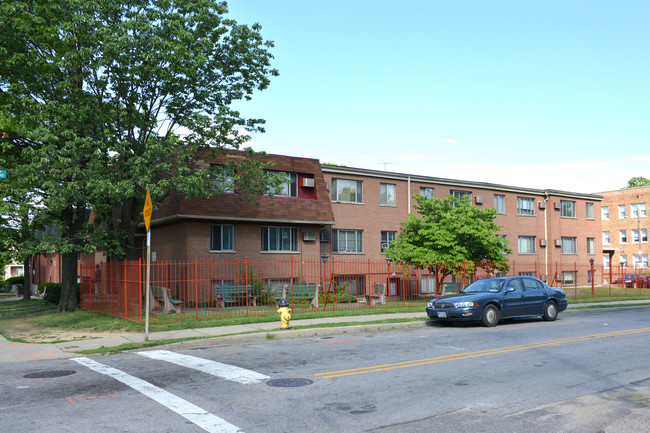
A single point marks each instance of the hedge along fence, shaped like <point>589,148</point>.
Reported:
<point>117,288</point>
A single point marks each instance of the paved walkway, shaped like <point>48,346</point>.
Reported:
<point>16,352</point>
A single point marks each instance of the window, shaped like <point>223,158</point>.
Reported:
<point>569,245</point>
<point>604,213</point>
<point>289,188</point>
<point>386,238</point>
<point>589,211</point>
<point>222,237</point>
<point>525,206</point>
<point>606,260</point>
<point>387,194</point>
<point>624,260</point>
<point>526,244</point>
<point>622,236</point>
<point>347,241</point>
<point>280,239</point>
<point>459,195</point>
<point>641,261</point>
<point>621,211</point>
<point>567,209</point>
<point>638,210</point>
<point>606,239</point>
<point>591,246</point>
<point>500,203</point>
<point>568,278</point>
<point>347,191</point>
<point>644,236</point>
<point>426,191</point>
<point>222,178</point>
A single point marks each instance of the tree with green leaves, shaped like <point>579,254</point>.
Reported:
<point>450,237</point>
<point>102,100</point>
<point>638,181</point>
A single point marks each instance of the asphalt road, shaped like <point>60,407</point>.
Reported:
<point>589,371</point>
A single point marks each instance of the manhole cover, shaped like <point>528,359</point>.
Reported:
<point>289,383</point>
<point>49,374</point>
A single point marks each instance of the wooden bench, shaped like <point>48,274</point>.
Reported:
<point>300,292</point>
<point>162,295</point>
<point>231,293</point>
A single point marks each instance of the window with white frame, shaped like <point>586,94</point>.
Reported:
<point>644,236</point>
<point>387,194</point>
<point>500,203</point>
<point>386,238</point>
<point>604,213</point>
<point>568,278</point>
<point>222,237</point>
<point>525,206</point>
<point>569,245</point>
<point>567,209</point>
<point>591,246</point>
<point>279,239</point>
<point>623,260</point>
<point>638,210</point>
<point>589,211</point>
<point>606,261</point>
<point>640,261</point>
<point>426,191</point>
<point>459,195</point>
<point>606,238</point>
<point>622,236</point>
<point>222,178</point>
<point>347,191</point>
<point>526,244</point>
<point>289,187</point>
<point>347,241</point>
<point>621,211</point>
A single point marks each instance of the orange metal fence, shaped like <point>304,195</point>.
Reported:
<point>195,290</point>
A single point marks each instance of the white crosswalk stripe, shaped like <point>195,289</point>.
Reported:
<point>202,418</point>
<point>225,371</point>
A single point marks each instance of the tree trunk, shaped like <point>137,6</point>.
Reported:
<point>27,281</point>
<point>68,301</point>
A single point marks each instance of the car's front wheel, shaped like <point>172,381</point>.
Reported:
<point>490,316</point>
<point>550,311</point>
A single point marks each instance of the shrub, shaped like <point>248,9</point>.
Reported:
<point>15,280</point>
<point>53,292</point>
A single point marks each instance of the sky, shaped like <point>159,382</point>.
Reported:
<point>534,93</point>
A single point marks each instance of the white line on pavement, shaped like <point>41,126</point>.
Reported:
<point>202,418</point>
<point>225,371</point>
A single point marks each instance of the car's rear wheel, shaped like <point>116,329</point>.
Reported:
<point>490,316</point>
<point>550,311</point>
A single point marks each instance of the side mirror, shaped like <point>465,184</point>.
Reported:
<point>510,289</point>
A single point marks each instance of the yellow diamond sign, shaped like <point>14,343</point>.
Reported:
<point>146,212</point>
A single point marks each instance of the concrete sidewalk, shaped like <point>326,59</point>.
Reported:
<point>223,335</point>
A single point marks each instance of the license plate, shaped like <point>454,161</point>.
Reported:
<point>442,314</point>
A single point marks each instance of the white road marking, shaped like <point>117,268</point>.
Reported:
<point>202,418</point>
<point>225,371</point>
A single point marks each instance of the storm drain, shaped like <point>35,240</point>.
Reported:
<point>49,374</point>
<point>289,383</point>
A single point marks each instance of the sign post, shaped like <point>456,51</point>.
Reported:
<point>146,212</point>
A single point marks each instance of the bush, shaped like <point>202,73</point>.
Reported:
<point>15,280</point>
<point>53,292</point>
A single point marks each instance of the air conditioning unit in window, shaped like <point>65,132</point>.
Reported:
<point>308,236</point>
<point>542,242</point>
<point>557,205</point>
<point>541,204</point>
<point>384,246</point>
<point>558,242</point>
<point>478,199</point>
<point>308,182</point>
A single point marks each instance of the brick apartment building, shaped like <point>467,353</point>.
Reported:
<point>625,229</point>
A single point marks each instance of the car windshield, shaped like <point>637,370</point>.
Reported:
<point>486,285</point>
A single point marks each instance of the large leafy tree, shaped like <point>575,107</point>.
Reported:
<point>638,181</point>
<point>103,99</point>
<point>450,236</point>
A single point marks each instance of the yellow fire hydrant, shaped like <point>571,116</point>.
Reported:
<point>285,314</point>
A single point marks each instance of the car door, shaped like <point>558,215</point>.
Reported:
<point>512,302</point>
<point>534,296</point>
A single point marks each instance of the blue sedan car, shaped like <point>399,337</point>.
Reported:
<point>489,300</point>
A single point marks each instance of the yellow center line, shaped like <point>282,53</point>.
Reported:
<point>475,354</point>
